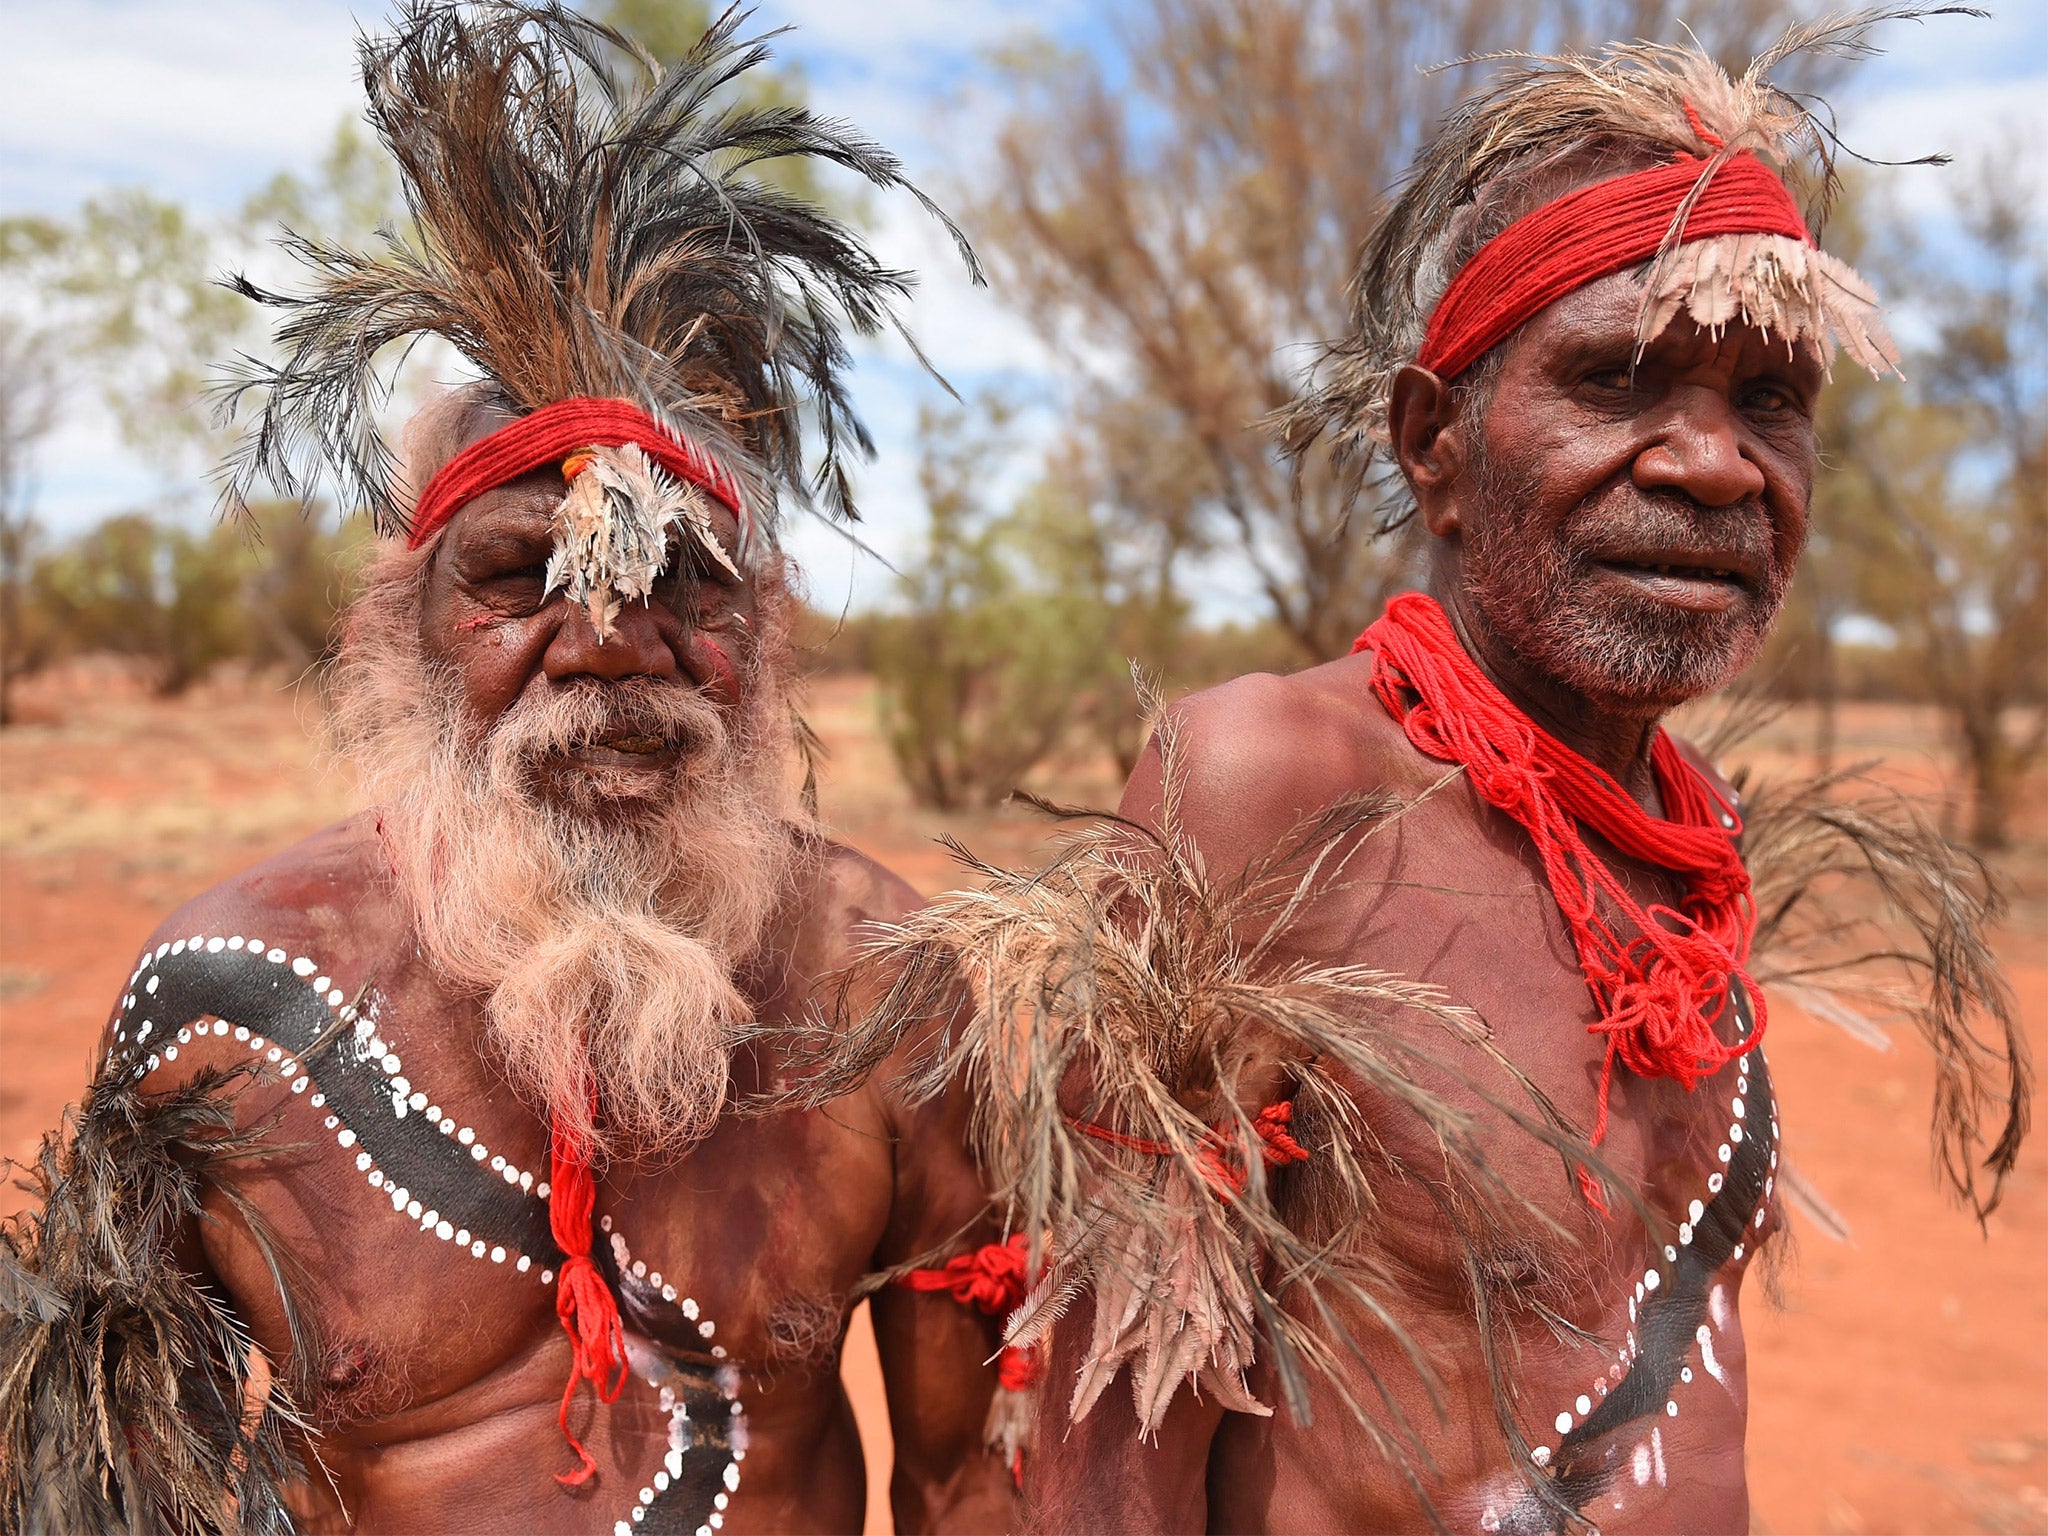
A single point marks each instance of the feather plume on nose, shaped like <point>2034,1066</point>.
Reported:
<point>612,530</point>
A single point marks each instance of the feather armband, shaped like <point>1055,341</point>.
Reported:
<point>131,1398</point>
<point>1150,1073</point>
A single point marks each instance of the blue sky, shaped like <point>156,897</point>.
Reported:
<point>202,102</point>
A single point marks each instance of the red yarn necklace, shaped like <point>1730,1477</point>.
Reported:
<point>1659,975</point>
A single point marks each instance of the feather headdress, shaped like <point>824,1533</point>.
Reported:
<point>1553,123</point>
<point>586,224</point>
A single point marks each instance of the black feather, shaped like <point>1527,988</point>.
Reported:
<point>585,223</point>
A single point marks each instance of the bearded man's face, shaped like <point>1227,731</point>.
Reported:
<point>1626,530</point>
<point>593,836</point>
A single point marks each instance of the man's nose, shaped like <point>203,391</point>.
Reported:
<point>636,647</point>
<point>1700,454</point>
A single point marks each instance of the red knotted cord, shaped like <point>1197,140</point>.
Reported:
<point>1591,233</point>
<point>1659,975</point>
<point>584,1303</point>
<point>1217,1154</point>
<point>994,1278</point>
<point>549,436</point>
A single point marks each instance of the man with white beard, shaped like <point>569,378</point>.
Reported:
<point>406,1135</point>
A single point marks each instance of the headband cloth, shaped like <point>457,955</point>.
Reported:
<point>550,435</point>
<point>1590,234</point>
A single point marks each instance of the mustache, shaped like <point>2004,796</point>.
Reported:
<point>563,717</point>
<point>1625,517</point>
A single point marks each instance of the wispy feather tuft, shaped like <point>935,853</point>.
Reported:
<point>1123,988</point>
<point>125,1383</point>
<point>1869,917</point>
<point>584,223</point>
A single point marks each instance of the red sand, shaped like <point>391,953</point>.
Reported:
<point>1904,1387</point>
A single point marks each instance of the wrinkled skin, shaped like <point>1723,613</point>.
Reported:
<point>1572,480</point>
<point>440,1374</point>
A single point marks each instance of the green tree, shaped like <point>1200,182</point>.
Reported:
<point>28,410</point>
<point>978,675</point>
<point>1953,528</point>
<point>183,600</point>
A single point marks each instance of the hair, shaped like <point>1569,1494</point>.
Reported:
<point>1544,127</point>
<point>585,222</point>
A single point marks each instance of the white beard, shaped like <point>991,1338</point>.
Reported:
<point>606,940</point>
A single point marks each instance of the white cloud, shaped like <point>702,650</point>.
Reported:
<point>196,101</point>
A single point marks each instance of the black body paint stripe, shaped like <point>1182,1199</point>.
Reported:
<point>248,989</point>
<point>264,996</point>
<point>1666,1326</point>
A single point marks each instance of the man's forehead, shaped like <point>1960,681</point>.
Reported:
<point>443,427</point>
<point>524,509</point>
<point>1606,316</point>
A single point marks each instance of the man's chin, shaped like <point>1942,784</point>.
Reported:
<point>1646,663</point>
<point>598,779</point>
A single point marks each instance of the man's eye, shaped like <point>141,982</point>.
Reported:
<point>1771,398</point>
<point>520,588</point>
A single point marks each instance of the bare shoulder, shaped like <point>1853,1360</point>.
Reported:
<point>1709,770</point>
<point>329,892</point>
<point>1260,752</point>
<point>845,893</point>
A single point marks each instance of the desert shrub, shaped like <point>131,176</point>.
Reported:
<point>182,599</point>
<point>999,635</point>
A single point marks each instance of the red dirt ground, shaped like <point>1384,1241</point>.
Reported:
<point>1903,1386</point>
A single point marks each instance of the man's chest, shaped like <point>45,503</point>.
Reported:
<point>407,1189</point>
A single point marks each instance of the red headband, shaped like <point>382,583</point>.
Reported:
<point>1590,234</point>
<point>548,436</point>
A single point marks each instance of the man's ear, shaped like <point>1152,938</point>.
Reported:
<point>1428,444</point>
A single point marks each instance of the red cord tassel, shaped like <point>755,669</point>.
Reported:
<point>584,1303</point>
<point>1660,976</point>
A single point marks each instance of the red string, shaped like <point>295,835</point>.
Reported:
<point>1591,233</point>
<point>550,435</point>
<point>1659,975</point>
<point>584,1303</point>
<point>1217,1154</point>
<point>994,1277</point>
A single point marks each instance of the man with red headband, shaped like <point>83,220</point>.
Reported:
<point>1400,1056</point>
<point>438,1174</point>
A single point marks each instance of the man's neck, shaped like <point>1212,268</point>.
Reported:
<point>1617,743</point>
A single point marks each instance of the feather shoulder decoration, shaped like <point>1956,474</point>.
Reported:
<point>131,1398</point>
<point>1867,918</point>
<point>584,223</point>
<point>1123,1022</point>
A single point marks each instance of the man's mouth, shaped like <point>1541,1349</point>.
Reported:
<point>1706,583</point>
<point>626,749</point>
<point>639,746</point>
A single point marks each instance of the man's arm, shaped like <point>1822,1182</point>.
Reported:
<point>1100,1475</point>
<point>936,1350</point>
